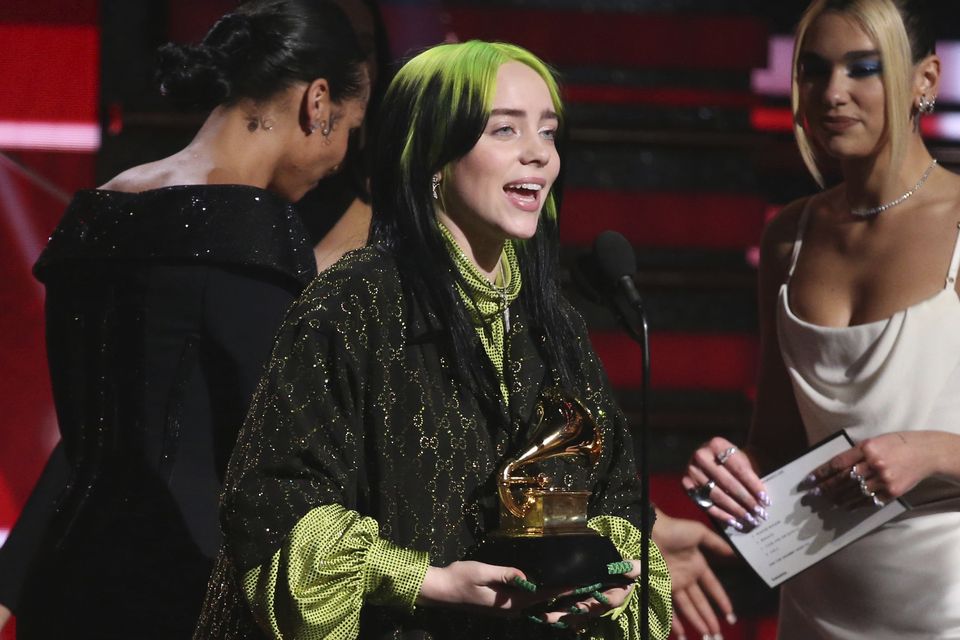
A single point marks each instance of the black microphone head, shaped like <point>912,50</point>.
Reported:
<point>614,255</point>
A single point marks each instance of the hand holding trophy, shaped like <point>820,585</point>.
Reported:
<point>543,528</point>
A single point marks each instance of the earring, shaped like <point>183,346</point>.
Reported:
<point>323,126</point>
<point>435,182</point>
<point>926,106</point>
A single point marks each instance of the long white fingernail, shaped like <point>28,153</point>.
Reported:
<point>733,522</point>
<point>764,498</point>
<point>731,618</point>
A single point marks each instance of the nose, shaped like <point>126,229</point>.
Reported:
<point>835,90</point>
<point>536,150</point>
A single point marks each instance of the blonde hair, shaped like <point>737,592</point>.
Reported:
<point>882,22</point>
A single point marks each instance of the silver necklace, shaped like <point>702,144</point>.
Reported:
<point>873,211</point>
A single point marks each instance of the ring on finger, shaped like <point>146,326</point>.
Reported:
<point>725,454</point>
<point>701,494</point>
<point>877,502</point>
<point>855,475</point>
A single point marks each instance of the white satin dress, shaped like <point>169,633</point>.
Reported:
<point>901,581</point>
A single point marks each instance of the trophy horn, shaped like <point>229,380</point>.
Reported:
<point>564,428</point>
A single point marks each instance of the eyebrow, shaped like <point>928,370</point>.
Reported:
<point>848,56</point>
<point>546,114</point>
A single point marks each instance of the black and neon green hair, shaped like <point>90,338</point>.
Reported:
<point>452,88</point>
<point>433,113</point>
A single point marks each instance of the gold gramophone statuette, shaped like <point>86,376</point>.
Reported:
<point>529,505</point>
<point>543,528</point>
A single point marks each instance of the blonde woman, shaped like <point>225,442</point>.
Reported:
<point>860,323</point>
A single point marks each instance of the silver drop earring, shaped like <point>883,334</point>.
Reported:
<point>435,182</point>
<point>926,106</point>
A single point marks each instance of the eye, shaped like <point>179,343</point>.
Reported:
<point>813,68</point>
<point>549,134</point>
<point>864,68</point>
<point>504,130</point>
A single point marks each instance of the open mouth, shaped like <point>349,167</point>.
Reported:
<point>524,193</point>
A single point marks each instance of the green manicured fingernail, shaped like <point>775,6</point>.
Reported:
<point>600,597</point>
<point>526,585</point>
<point>618,568</point>
<point>535,619</point>
<point>575,610</point>
<point>583,590</point>
<point>559,625</point>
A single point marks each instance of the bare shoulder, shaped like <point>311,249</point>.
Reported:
<point>780,234</point>
<point>952,190</point>
<point>167,172</point>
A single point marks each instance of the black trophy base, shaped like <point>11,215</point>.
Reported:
<point>568,560</point>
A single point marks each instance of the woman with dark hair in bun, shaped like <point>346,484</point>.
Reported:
<point>164,289</point>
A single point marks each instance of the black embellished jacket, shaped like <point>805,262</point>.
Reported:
<point>161,309</point>
<point>361,407</point>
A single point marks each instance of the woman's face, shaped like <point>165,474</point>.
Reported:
<point>841,87</point>
<point>498,189</point>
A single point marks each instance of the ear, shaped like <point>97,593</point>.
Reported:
<point>316,105</point>
<point>926,78</point>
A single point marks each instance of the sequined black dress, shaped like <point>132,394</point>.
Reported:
<point>161,309</point>
<point>361,407</point>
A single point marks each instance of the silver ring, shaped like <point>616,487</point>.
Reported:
<point>856,477</point>
<point>701,494</point>
<point>864,489</point>
<point>877,502</point>
<point>723,456</point>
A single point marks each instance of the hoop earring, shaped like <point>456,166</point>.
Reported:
<point>435,182</point>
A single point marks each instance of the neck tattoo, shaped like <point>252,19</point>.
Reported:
<point>869,212</point>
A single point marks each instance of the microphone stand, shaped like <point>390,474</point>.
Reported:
<point>641,337</point>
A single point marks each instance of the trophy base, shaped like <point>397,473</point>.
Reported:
<point>565,560</point>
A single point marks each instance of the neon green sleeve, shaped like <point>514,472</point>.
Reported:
<point>331,564</point>
<point>624,621</point>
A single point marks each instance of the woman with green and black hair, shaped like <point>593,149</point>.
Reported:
<point>408,373</point>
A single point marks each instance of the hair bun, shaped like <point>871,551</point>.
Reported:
<point>201,76</point>
<point>260,49</point>
<point>192,76</point>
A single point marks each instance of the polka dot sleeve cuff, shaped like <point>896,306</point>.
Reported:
<point>332,562</point>
<point>624,622</point>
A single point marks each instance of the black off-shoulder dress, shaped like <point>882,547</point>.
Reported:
<point>161,310</point>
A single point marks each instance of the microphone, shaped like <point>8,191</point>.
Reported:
<point>607,277</point>
<point>616,265</point>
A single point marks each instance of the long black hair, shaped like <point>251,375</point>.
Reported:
<point>262,48</point>
<point>433,113</point>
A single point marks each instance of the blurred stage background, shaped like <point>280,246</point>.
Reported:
<point>680,139</point>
